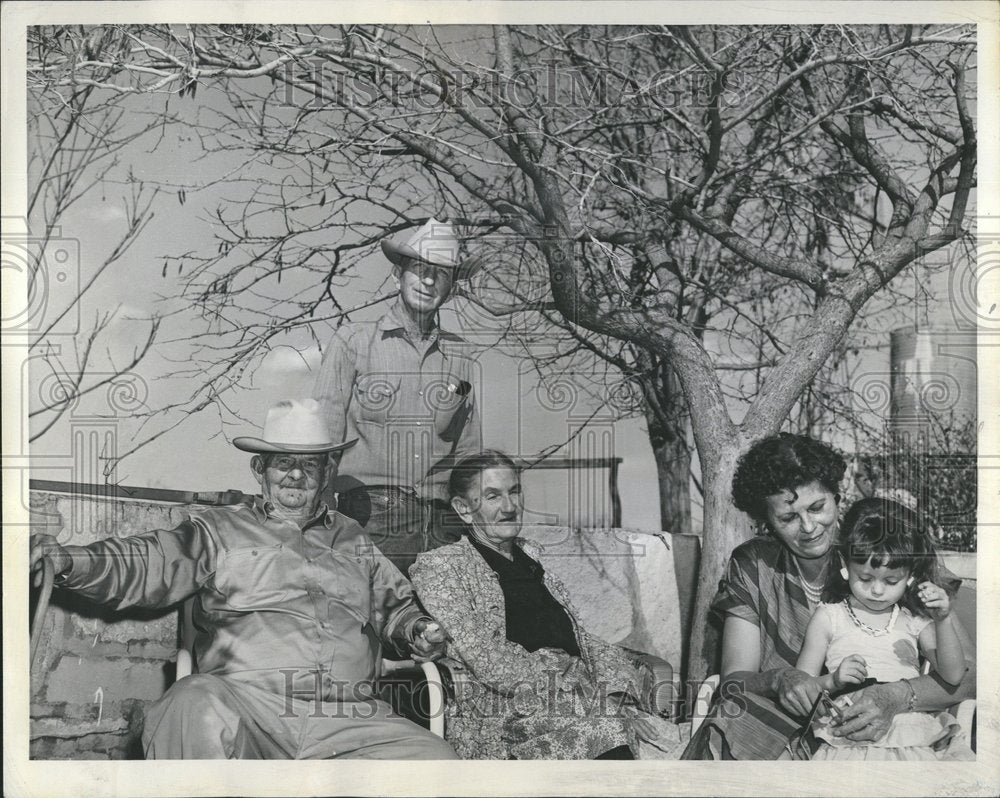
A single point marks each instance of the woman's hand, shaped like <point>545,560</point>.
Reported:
<point>645,728</point>
<point>797,691</point>
<point>935,599</point>
<point>871,714</point>
<point>651,737</point>
<point>852,670</point>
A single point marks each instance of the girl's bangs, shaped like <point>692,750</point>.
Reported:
<point>884,550</point>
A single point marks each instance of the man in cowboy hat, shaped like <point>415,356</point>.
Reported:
<point>292,605</point>
<point>405,388</point>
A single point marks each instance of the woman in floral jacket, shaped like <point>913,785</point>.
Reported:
<point>530,683</point>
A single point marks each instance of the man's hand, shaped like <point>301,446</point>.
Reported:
<point>48,546</point>
<point>869,717</point>
<point>429,642</point>
<point>852,670</point>
<point>797,691</point>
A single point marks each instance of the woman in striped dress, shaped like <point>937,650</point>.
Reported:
<point>789,485</point>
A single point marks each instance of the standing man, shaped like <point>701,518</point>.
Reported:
<point>404,388</point>
<point>292,605</point>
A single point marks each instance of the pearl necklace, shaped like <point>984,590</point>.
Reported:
<point>871,630</point>
<point>813,593</point>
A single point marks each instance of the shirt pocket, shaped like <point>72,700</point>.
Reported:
<point>448,397</point>
<point>350,587</point>
<point>253,577</point>
<point>375,395</point>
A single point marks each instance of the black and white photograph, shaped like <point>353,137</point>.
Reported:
<point>400,394</point>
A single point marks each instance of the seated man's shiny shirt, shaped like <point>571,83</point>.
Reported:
<point>301,612</point>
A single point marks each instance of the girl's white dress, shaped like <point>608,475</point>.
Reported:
<point>889,657</point>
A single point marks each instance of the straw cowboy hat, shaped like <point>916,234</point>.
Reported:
<point>436,243</point>
<point>293,427</point>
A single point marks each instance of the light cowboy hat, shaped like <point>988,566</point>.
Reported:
<point>436,243</point>
<point>293,427</point>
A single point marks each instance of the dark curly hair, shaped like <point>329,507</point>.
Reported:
<point>890,535</point>
<point>783,462</point>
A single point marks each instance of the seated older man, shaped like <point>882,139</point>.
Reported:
<point>292,605</point>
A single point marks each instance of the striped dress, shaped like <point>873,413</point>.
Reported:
<point>761,585</point>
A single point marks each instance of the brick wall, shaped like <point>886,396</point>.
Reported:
<point>96,671</point>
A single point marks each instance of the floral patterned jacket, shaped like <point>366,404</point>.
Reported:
<point>511,702</point>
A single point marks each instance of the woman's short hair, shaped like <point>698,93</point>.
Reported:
<point>783,462</point>
<point>469,468</point>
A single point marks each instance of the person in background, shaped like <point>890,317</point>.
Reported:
<point>292,607</point>
<point>405,388</point>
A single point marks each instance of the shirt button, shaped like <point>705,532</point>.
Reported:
<point>415,457</point>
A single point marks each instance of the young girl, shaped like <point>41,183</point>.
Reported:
<point>881,608</point>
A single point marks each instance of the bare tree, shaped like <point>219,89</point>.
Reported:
<point>708,209</point>
<point>76,139</point>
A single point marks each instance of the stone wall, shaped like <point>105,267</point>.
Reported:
<point>96,671</point>
<point>622,582</point>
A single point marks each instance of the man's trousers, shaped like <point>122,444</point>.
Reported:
<point>220,717</point>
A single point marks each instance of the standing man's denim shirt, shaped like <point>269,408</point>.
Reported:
<point>410,401</point>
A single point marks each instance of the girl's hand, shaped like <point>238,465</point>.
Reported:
<point>852,670</point>
<point>935,599</point>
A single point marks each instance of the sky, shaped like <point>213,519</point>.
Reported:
<point>197,454</point>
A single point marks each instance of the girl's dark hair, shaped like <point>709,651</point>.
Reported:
<point>469,468</point>
<point>783,462</point>
<point>890,535</point>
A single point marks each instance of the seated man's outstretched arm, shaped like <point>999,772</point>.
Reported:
<point>154,569</point>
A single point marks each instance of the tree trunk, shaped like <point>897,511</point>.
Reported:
<point>668,424</point>
<point>673,475</point>
<point>725,528</point>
